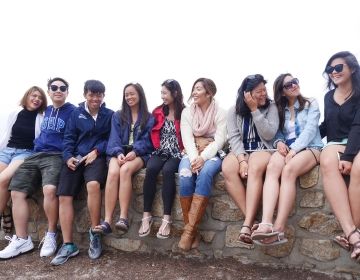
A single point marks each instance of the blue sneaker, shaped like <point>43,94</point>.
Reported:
<point>65,252</point>
<point>95,248</point>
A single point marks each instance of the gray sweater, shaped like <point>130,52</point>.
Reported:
<point>266,122</point>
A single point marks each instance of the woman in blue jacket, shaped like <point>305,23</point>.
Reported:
<point>298,145</point>
<point>129,149</point>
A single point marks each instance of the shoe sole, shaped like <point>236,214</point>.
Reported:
<point>68,257</point>
<point>263,235</point>
<point>20,253</point>
<point>275,243</point>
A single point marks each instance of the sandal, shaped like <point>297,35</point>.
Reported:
<point>260,234</point>
<point>159,234</point>
<point>355,246</point>
<point>244,237</point>
<point>280,239</point>
<point>342,241</point>
<point>146,232</point>
<point>7,221</point>
<point>103,228</point>
<point>122,224</point>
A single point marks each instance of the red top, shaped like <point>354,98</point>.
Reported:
<point>159,116</point>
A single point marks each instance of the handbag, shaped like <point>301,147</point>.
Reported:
<point>202,142</point>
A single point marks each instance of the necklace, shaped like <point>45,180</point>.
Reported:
<point>348,95</point>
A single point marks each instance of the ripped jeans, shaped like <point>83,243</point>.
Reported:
<point>199,184</point>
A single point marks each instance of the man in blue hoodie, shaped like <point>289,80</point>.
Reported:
<point>41,170</point>
<point>85,141</point>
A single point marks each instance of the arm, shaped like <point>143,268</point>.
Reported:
<point>187,134</point>
<point>234,133</point>
<point>70,137</point>
<point>219,138</point>
<point>266,125</point>
<point>311,126</point>
<point>114,146</point>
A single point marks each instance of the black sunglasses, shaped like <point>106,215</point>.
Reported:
<point>55,88</point>
<point>290,84</point>
<point>338,68</point>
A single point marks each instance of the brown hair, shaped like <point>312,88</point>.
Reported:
<point>208,84</point>
<point>30,91</point>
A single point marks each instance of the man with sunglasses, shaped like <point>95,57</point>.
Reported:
<point>42,169</point>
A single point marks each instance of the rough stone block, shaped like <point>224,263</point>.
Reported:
<point>320,222</point>
<point>124,244</point>
<point>207,236</point>
<point>310,179</point>
<point>225,209</point>
<point>312,199</point>
<point>284,249</point>
<point>321,250</point>
<point>232,237</point>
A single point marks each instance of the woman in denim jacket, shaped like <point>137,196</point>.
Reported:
<point>298,144</point>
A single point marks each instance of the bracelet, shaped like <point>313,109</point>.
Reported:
<point>242,161</point>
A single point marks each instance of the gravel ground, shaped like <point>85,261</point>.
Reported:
<point>115,264</point>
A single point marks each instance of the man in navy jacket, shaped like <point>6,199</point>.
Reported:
<point>85,142</point>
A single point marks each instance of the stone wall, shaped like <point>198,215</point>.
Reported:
<point>310,229</point>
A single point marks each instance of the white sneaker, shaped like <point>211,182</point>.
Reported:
<point>49,245</point>
<point>16,247</point>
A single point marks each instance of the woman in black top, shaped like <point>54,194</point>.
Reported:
<point>340,156</point>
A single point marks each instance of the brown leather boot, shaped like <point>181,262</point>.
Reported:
<point>185,202</point>
<point>197,210</point>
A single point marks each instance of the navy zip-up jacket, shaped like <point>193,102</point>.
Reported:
<point>119,136</point>
<point>83,134</point>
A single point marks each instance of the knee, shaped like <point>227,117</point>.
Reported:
<point>185,172</point>
<point>289,172</point>
<point>113,174</point>
<point>124,171</point>
<point>49,193</point>
<point>93,188</point>
<point>15,196</point>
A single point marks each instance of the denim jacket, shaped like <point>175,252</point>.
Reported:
<point>306,127</point>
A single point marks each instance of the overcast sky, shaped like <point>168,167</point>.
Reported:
<point>149,41</point>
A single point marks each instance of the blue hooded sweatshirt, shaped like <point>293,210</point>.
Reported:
<point>53,128</point>
<point>83,134</point>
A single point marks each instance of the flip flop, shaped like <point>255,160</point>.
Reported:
<point>103,228</point>
<point>163,236</point>
<point>342,241</point>
<point>279,241</point>
<point>147,232</point>
<point>260,235</point>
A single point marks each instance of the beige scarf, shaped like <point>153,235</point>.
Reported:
<point>204,124</point>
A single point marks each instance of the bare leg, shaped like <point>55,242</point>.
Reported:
<point>257,166</point>
<point>112,189</point>
<point>354,190</point>
<point>94,202</point>
<point>233,182</point>
<point>20,213</point>
<point>125,191</point>
<point>51,206</point>
<point>66,214</point>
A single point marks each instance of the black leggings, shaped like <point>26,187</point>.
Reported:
<point>169,168</point>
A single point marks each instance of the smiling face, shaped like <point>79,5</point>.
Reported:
<point>131,96</point>
<point>58,92</point>
<point>94,100</point>
<point>34,100</point>
<point>259,93</point>
<point>291,87</point>
<point>337,76</point>
<point>199,94</point>
<point>166,96</point>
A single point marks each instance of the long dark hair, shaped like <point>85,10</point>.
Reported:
<point>281,101</point>
<point>175,90</point>
<point>248,84</point>
<point>125,114</point>
<point>353,64</point>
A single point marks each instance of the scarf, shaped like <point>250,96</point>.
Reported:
<point>204,124</point>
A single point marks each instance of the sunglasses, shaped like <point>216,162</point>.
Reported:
<point>61,88</point>
<point>290,84</point>
<point>338,68</point>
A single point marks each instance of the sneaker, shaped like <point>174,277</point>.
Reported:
<point>66,251</point>
<point>95,248</point>
<point>16,247</point>
<point>49,245</point>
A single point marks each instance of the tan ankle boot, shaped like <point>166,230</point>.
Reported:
<point>197,210</point>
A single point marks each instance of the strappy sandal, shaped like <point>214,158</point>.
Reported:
<point>164,236</point>
<point>355,246</point>
<point>244,237</point>
<point>280,239</point>
<point>103,228</point>
<point>260,234</point>
<point>342,241</point>
<point>122,224</point>
<point>147,232</point>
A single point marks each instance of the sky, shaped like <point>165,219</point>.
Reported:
<point>148,42</point>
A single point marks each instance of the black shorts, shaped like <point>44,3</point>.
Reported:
<point>71,181</point>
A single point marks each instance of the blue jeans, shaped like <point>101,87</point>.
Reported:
<point>199,184</point>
